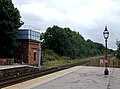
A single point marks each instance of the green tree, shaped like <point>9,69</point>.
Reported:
<point>118,49</point>
<point>66,42</point>
<point>9,23</point>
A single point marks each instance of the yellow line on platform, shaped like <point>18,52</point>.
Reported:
<point>43,79</point>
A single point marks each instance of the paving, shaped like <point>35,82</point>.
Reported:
<point>79,77</point>
<point>12,66</point>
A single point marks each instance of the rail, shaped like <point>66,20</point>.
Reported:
<point>16,75</point>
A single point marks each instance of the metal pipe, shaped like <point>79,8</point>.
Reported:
<point>39,55</point>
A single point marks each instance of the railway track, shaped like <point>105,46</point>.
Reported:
<point>9,77</point>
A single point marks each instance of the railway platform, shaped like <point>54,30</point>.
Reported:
<point>11,66</point>
<point>78,77</point>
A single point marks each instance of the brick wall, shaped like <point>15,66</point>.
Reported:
<point>21,51</point>
<point>33,48</point>
<point>25,51</point>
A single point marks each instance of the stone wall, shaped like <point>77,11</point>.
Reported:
<point>7,61</point>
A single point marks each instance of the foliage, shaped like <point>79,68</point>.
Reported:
<point>118,49</point>
<point>52,59</point>
<point>9,23</point>
<point>50,55</point>
<point>66,42</point>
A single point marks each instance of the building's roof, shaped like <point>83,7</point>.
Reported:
<point>28,34</point>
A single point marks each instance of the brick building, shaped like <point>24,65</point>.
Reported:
<point>28,44</point>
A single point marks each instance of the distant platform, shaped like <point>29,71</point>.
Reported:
<point>12,66</point>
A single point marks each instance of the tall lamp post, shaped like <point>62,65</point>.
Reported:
<point>106,35</point>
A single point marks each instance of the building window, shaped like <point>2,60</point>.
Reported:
<point>34,56</point>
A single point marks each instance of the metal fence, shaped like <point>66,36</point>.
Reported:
<point>100,62</point>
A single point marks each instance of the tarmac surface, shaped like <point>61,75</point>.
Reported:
<point>79,77</point>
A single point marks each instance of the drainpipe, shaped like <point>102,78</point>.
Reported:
<point>39,55</point>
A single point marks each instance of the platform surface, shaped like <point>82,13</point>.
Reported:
<point>11,66</point>
<point>79,77</point>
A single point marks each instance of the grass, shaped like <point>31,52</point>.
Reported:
<point>64,61</point>
<point>52,59</point>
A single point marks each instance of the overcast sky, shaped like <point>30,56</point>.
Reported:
<point>88,17</point>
